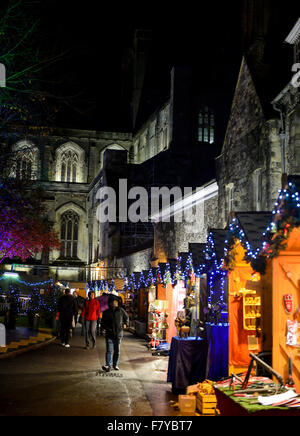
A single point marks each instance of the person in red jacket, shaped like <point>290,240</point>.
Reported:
<point>90,314</point>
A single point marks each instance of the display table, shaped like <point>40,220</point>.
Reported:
<point>217,355</point>
<point>229,405</point>
<point>187,363</point>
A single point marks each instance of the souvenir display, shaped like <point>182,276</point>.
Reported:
<point>292,332</point>
<point>158,322</point>
<point>182,323</point>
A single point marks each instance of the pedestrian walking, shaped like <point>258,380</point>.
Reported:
<point>78,305</point>
<point>66,310</point>
<point>90,314</point>
<point>114,319</point>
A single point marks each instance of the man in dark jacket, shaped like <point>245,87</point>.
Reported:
<point>113,321</point>
<point>66,310</point>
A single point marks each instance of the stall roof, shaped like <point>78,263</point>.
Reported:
<point>163,267</point>
<point>184,257</point>
<point>219,237</point>
<point>173,266</point>
<point>137,276</point>
<point>197,251</point>
<point>152,270</point>
<point>253,225</point>
<point>296,181</point>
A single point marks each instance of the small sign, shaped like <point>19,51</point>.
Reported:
<point>42,291</point>
<point>288,303</point>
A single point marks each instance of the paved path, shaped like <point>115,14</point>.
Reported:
<point>55,381</point>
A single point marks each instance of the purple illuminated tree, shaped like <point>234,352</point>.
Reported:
<point>24,228</point>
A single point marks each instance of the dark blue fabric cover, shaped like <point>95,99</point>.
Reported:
<point>217,356</point>
<point>187,362</point>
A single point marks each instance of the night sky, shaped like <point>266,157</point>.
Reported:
<point>97,36</point>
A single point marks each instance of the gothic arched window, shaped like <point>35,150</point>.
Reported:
<point>25,160</point>
<point>69,162</point>
<point>69,234</point>
<point>24,163</point>
<point>206,126</point>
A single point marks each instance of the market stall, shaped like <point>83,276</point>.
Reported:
<point>188,351</point>
<point>279,262</point>
<point>285,270</point>
<point>231,405</point>
<point>247,307</point>
<point>130,299</point>
<point>162,303</point>
<point>141,314</point>
<point>216,314</point>
<point>157,309</point>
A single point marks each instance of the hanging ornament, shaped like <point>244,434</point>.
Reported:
<point>288,303</point>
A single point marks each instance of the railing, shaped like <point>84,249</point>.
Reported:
<point>4,307</point>
<point>105,273</point>
<point>23,301</point>
<point>64,273</point>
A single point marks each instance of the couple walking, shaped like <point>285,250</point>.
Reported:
<point>114,319</point>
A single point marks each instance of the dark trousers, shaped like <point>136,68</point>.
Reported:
<point>90,330</point>
<point>75,322</point>
<point>113,351</point>
<point>65,327</point>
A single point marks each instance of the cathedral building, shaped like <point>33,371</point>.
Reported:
<point>176,145</point>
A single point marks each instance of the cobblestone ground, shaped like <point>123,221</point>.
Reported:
<point>55,381</point>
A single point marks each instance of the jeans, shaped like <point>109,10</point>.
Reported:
<point>90,330</point>
<point>112,351</point>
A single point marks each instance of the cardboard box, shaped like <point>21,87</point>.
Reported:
<point>187,403</point>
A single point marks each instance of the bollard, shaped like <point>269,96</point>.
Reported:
<point>2,336</point>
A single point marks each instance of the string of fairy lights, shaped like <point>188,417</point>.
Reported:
<point>288,200</point>
<point>290,196</point>
<point>15,278</point>
<point>214,267</point>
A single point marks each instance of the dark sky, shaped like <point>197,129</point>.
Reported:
<point>96,35</point>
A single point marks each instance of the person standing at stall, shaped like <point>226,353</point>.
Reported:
<point>66,310</point>
<point>114,319</point>
<point>90,314</point>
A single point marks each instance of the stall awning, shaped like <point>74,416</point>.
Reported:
<point>254,224</point>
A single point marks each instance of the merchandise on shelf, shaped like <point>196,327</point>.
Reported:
<point>157,319</point>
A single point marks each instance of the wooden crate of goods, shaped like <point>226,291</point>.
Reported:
<point>206,404</point>
<point>206,399</point>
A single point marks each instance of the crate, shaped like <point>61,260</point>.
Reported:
<point>208,408</point>
<point>206,404</point>
<point>206,398</point>
<point>187,403</point>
